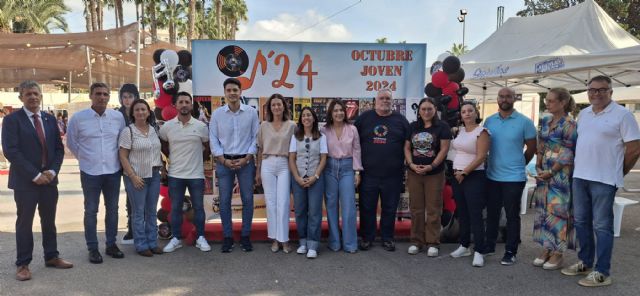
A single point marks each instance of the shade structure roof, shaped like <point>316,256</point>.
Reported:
<point>53,58</point>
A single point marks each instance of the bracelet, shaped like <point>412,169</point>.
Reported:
<point>317,177</point>
<point>357,173</point>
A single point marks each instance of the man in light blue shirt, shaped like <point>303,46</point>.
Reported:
<point>232,131</point>
<point>506,173</point>
<point>92,136</point>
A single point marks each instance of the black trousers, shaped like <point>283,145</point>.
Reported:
<point>471,199</point>
<point>507,195</point>
<point>45,198</point>
<point>387,190</point>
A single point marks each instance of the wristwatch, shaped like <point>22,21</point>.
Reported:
<point>357,173</point>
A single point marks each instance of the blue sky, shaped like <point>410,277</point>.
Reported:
<point>416,21</point>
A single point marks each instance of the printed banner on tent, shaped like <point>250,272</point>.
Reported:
<point>309,70</point>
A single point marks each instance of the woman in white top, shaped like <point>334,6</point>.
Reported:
<point>140,158</point>
<point>471,145</point>
<point>307,158</point>
<point>272,170</point>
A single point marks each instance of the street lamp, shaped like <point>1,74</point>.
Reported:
<point>462,18</point>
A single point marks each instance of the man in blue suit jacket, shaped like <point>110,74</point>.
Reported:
<point>31,142</point>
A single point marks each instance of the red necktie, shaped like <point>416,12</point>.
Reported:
<point>40,132</point>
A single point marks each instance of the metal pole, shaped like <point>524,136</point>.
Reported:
<point>138,49</point>
<point>70,80</point>
<point>464,23</point>
<point>89,65</point>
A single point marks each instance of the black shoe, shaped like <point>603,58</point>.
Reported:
<point>95,257</point>
<point>389,246</point>
<point>508,259</point>
<point>227,245</point>
<point>114,252</point>
<point>245,242</point>
<point>127,239</point>
<point>364,245</point>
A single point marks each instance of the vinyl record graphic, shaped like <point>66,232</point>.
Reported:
<point>232,61</point>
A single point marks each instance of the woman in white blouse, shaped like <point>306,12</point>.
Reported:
<point>140,158</point>
<point>272,170</point>
<point>307,158</point>
<point>342,176</point>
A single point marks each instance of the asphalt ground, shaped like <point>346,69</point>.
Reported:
<point>188,271</point>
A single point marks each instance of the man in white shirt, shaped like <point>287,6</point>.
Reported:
<point>233,130</point>
<point>92,136</point>
<point>186,139</point>
<point>608,147</point>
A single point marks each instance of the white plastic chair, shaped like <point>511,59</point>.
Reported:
<point>618,210</point>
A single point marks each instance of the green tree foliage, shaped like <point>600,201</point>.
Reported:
<point>625,12</point>
<point>32,16</point>
<point>457,49</point>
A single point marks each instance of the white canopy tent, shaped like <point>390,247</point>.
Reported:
<point>564,48</point>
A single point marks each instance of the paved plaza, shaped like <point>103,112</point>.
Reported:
<point>376,272</point>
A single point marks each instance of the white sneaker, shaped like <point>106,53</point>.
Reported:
<point>302,249</point>
<point>478,260</point>
<point>460,252</point>
<point>173,245</point>
<point>312,254</point>
<point>202,244</point>
<point>413,249</point>
<point>432,252</point>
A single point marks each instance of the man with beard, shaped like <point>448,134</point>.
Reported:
<point>382,137</point>
<point>233,130</point>
<point>92,136</point>
<point>506,174</point>
<point>184,140</point>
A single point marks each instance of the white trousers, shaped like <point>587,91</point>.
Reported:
<point>276,181</point>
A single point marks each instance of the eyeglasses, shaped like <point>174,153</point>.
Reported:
<point>602,91</point>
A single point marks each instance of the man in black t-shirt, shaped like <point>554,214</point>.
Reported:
<point>382,137</point>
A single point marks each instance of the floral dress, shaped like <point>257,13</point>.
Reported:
<point>553,224</point>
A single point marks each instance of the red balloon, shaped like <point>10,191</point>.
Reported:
<point>450,90</point>
<point>454,104</point>
<point>165,204</point>
<point>164,191</point>
<point>188,232</point>
<point>164,99</point>
<point>169,112</point>
<point>440,79</point>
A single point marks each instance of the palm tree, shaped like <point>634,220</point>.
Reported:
<point>192,22</point>
<point>32,16</point>
<point>234,11</point>
<point>381,40</point>
<point>457,49</point>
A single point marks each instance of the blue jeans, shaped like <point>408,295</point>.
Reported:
<point>177,188</point>
<point>92,186</point>
<point>226,176</point>
<point>308,206</point>
<point>144,204</point>
<point>340,197</point>
<point>593,212</point>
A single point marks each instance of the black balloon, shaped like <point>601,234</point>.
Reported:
<point>458,76</point>
<point>184,58</point>
<point>156,55</point>
<point>462,91</point>
<point>431,91</point>
<point>444,100</point>
<point>451,64</point>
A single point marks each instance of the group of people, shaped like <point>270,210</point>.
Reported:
<point>580,164</point>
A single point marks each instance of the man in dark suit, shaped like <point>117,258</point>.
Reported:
<point>31,142</point>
